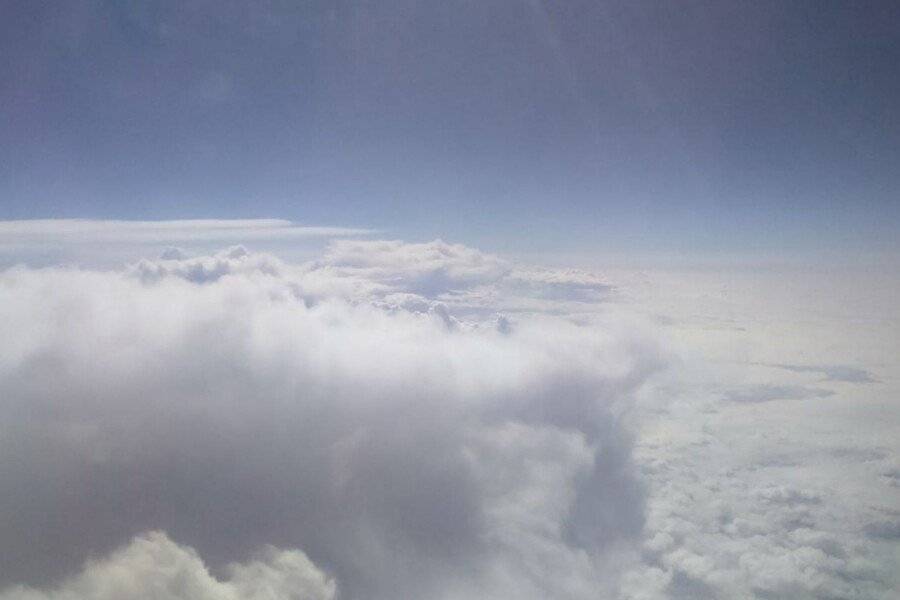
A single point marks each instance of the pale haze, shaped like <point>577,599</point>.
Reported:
<point>449,300</point>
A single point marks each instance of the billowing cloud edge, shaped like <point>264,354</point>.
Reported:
<point>372,411</point>
<point>154,566</point>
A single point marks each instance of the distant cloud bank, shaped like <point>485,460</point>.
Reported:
<point>408,420</point>
<point>73,231</point>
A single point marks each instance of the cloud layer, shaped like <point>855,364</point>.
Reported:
<point>410,447</point>
<point>431,421</point>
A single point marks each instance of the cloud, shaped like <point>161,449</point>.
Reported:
<point>728,535</point>
<point>832,372</point>
<point>559,284</point>
<point>427,269</point>
<point>430,421</point>
<point>80,231</point>
<point>891,473</point>
<point>464,279</point>
<point>429,277</point>
<point>173,262</point>
<point>751,394</point>
<point>236,401</point>
<point>884,530</point>
<point>153,566</point>
<point>761,503</point>
<point>770,497</point>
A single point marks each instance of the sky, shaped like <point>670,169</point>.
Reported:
<point>525,126</point>
<point>449,300</point>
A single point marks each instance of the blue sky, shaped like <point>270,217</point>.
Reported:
<point>591,127</point>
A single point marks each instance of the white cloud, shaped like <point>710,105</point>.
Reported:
<point>235,401</point>
<point>768,478</point>
<point>427,269</point>
<point>43,231</point>
<point>430,421</point>
<point>153,566</point>
<point>173,262</point>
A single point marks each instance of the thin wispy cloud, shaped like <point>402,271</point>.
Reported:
<point>842,373</point>
<point>768,392</point>
<point>80,231</point>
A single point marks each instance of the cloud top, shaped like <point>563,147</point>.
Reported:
<point>153,566</point>
<point>348,407</point>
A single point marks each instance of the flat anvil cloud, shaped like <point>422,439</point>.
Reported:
<point>340,409</point>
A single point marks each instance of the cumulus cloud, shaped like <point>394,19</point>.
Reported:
<point>409,447</point>
<point>465,279</point>
<point>427,269</point>
<point>427,277</point>
<point>425,421</point>
<point>729,535</point>
<point>786,488</point>
<point>174,262</point>
<point>153,566</point>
